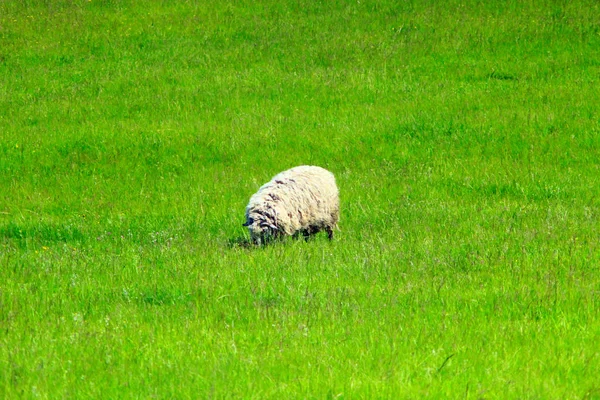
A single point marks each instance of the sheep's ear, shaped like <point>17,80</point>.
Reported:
<point>269,225</point>
<point>247,223</point>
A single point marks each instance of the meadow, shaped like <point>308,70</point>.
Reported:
<point>465,140</point>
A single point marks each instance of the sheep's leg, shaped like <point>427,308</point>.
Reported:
<point>329,232</point>
<point>306,234</point>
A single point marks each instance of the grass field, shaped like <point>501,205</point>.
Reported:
<point>465,139</point>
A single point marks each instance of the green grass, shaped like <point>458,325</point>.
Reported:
<point>465,138</point>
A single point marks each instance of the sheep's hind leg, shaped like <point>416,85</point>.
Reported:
<point>329,231</point>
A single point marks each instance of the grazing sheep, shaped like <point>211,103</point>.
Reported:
<point>300,200</point>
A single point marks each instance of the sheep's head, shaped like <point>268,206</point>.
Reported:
<point>262,226</point>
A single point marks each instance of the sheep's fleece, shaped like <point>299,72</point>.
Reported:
<point>303,200</point>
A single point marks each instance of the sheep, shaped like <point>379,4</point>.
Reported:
<point>302,200</point>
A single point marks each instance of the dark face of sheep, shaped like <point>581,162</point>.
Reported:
<point>261,230</point>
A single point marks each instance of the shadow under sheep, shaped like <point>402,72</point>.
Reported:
<point>247,243</point>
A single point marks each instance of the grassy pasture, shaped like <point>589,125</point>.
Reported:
<point>465,138</point>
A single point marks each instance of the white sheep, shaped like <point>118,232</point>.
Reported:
<point>303,200</point>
